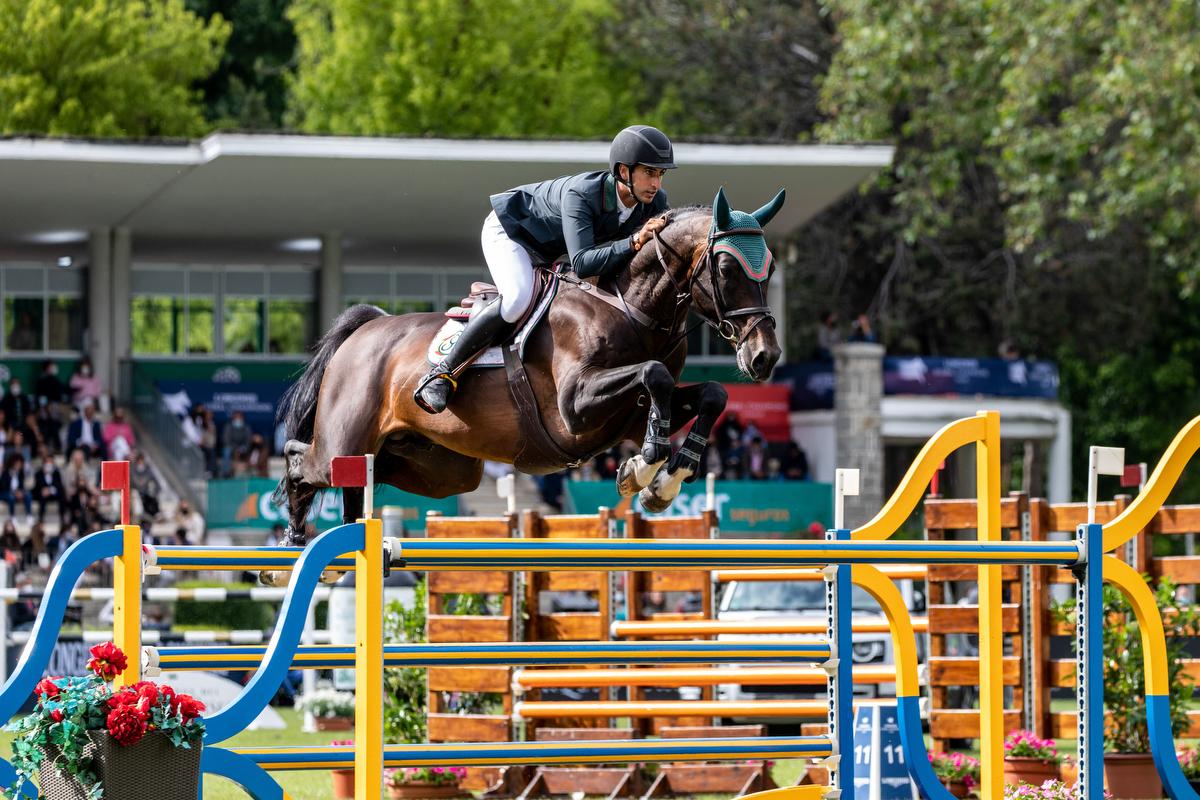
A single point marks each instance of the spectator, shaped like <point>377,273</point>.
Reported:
<point>85,387</point>
<point>258,458</point>
<point>14,487</point>
<point>51,394</point>
<point>712,458</point>
<point>84,504</point>
<point>31,432</point>
<point>756,460</point>
<point>17,444</point>
<point>828,336</point>
<point>795,463</point>
<point>235,439</point>
<point>550,488</point>
<point>208,438</point>
<point>24,335</point>
<point>118,436</point>
<point>33,550</point>
<point>16,404</point>
<point>186,518</point>
<point>729,438</point>
<point>860,330</point>
<point>76,468</point>
<point>142,481</point>
<point>85,433</point>
<point>10,545</point>
<point>750,432</point>
<point>181,538</point>
<point>48,488</point>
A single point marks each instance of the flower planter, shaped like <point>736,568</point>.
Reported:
<point>957,788</point>
<point>1131,775</point>
<point>1035,771</point>
<point>343,784</point>
<point>174,772</point>
<point>424,791</point>
<point>334,723</point>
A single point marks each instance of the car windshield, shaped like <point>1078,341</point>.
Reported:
<point>791,596</point>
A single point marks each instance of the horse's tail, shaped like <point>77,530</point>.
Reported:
<point>298,406</point>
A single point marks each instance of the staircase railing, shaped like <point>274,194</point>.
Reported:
<point>184,460</point>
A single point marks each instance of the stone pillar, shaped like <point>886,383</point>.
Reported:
<point>122,304</point>
<point>858,412</point>
<point>98,342</point>
<point>329,286</point>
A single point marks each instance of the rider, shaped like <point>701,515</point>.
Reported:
<point>599,219</point>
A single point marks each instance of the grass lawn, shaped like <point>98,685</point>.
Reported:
<point>317,785</point>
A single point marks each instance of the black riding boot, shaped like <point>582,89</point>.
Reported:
<point>482,331</point>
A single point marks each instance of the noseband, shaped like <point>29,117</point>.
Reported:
<point>707,264</point>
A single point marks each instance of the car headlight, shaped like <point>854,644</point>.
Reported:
<point>863,652</point>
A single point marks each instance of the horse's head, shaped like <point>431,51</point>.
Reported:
<point>729,283</point>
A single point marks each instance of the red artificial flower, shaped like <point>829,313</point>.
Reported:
<point>168,696</point>
<point>125,697</point>
<point>189,707</point>
<point>126,725</point>
<point>107,661</point>
<point>56,715</point>
<point>46,688</point>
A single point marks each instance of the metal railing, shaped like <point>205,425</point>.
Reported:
<point>184,460</point>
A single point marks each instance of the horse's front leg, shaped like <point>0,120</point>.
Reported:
<point>705,401</point>
<point>603,395</point>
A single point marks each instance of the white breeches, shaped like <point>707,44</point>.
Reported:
<point>511,269</point>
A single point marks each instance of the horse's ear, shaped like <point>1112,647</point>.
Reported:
<point>768,212</point>
<point>721,210</point>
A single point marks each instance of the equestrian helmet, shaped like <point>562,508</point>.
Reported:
<point>641,144</point>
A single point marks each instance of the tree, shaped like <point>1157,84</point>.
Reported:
<point>506,68</point>
<point>104,67</point>
<point>746,69</point>
<point>249,89</point>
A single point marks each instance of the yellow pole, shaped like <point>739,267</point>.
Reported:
<point>368,663</point>
<point>127,603</point>
<point>991,630</point>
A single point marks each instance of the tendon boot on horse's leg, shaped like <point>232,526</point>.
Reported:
<point>484,329</point>
<point>640,470</point>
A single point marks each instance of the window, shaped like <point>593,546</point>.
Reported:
<point>43,309</point>
<point>397,291</point>
<point>182,309</point>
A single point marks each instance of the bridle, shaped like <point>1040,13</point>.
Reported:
<point>706,264</point>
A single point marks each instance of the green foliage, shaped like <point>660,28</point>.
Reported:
<point>712,68</point>
<point>493,68</point>
<point>1085,115</point>
<point>405,689</point>
<point>231,615</point>
<point>1126,730</point>
<point>104,67</point>
<point>249,89</point>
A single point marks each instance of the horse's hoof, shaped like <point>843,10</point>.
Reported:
<point>636,473</point>
<point>331,577</point>
<point>626,482</point>
<point>652,502</point>
<point>274,577</point>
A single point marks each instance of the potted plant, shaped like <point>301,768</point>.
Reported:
<point>1189,762</point>
<point>332,710</point>
<point>1030,759</point>
<point>1048,790</point>
<point>343,779</point>
<point>1128,766</point>
<point>959,773</point>
<point>417,783</point>
<point>85,739</point>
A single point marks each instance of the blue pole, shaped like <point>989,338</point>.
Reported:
<point>841,678</point>
<point>1089,690</point>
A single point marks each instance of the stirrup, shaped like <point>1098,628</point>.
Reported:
<point>429,378</point>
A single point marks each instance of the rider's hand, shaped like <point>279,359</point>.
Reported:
<point>647,232</point>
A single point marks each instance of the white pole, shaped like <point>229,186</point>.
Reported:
<point>845,484</point>
<point>1101,461</point>
<point>710,491</point>
<point>368,492</point>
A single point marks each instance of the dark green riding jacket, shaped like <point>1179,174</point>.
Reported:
<point>577,215</point>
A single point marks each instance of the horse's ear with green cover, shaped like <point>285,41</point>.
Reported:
<point>768,212</point>
<point>721,211</point>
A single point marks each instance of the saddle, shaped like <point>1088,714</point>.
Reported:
<point>540,448</point>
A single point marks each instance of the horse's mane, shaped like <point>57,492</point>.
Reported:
<point>673,231</point>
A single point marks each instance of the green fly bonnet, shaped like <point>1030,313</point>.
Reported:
<point>740,235</point>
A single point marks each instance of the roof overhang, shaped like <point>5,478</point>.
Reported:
<point>239,191</point>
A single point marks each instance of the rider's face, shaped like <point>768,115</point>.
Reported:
<point>646,182</point>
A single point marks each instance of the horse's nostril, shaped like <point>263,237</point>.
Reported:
<point>757,364</point>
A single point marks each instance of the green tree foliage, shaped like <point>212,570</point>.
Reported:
<point>726,68</point>
<point>249,89</point>
<point>455,67</point>
<point>1085,115</point>
<point>104,67</point>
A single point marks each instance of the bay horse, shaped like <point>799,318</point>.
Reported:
<point>602,372</point>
